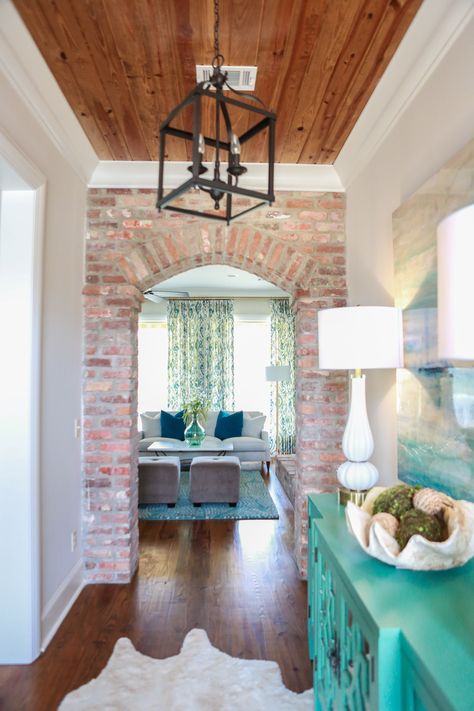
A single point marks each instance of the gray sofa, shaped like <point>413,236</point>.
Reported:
<point>252,446</point>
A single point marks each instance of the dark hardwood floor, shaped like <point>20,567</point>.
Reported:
<point>235,579</point>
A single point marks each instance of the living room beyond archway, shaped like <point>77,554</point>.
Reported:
<point>208,336</point>
<point>212,331</point>
<point>130,249</point>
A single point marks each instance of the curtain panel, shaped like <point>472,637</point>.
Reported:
<point>283,352</point>
<point>201,352</point>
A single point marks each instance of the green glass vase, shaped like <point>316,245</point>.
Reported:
<point>194,433</point>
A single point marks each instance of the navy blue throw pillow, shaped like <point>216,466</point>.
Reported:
<point>172,426</point>
<point>229,424</point>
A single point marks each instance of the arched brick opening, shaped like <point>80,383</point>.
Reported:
<point>129,249</point>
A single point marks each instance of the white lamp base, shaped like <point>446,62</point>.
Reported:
<point>357,473</point>
<point>358,476</point>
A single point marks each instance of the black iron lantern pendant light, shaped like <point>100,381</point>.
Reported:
<point>223,144</point>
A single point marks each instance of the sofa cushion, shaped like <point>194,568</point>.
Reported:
<point>246,444</point>
<point>151,424</point>
<point>229,424</point>
<point>208,439</point>
<point>253,425</point>
<point>172,425</point>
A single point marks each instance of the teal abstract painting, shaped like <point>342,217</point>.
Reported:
<point>435,401</point>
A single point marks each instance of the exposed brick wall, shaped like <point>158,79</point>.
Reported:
<point>130,248</point>
<point>321,410</point>
<point>285,469</point>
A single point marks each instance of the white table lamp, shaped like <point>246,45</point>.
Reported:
<point>455,286</point>
<point>352,338</point>
<point>277,374</point>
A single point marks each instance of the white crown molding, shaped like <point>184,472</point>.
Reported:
<point>27,72</point>
<point>144,174</point>
<point>17,172</point>
<point>433,31</point>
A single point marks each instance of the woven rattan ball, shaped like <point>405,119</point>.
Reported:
<point>431,501</point>
<point>387,521</point>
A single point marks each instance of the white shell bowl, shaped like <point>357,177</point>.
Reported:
<point>419,553</point>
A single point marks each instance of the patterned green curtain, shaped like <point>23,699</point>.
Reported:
<point>283,353</point>
<point>201,352</point>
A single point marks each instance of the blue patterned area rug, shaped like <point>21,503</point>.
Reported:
<point>255,502</point>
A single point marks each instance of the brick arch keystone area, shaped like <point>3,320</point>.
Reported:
<point>298,245</point>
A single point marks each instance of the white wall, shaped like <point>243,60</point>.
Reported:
<point>438,122</point>
<point>60,489</point>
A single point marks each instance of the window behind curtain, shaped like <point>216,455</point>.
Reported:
<point>252,353</point>
<point>251,356</point>
<point>152,366</point>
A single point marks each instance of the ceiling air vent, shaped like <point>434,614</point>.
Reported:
<point>240,78</point>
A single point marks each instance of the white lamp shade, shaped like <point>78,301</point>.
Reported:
<point>455,285</point>
<point>277,372</point>
<point>360,337</point>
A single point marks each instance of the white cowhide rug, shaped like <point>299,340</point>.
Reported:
<point>199,678</point>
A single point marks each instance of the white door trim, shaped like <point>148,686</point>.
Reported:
<point>34,182</point>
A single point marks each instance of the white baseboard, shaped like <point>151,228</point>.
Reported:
<point>59,605</point>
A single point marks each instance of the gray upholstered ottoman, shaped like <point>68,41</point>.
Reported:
<point>158,480</point>
<point>214,480</point>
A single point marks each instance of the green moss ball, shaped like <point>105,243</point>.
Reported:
<point>396,501</point>
<point>416,521</point>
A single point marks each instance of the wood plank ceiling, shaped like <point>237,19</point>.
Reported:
<point>124,64</point>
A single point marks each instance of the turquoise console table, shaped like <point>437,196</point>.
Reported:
<point>383,639</point>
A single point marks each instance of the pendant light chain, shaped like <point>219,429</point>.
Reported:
<point>218,60</point>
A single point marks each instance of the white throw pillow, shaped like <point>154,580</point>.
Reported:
<point>253,425</point>
<point>210,424</point>
<point>151,424</point>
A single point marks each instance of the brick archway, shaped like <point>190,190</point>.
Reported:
<point>129,249</point>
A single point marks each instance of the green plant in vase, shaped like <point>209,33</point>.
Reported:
<point>193,411</point>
